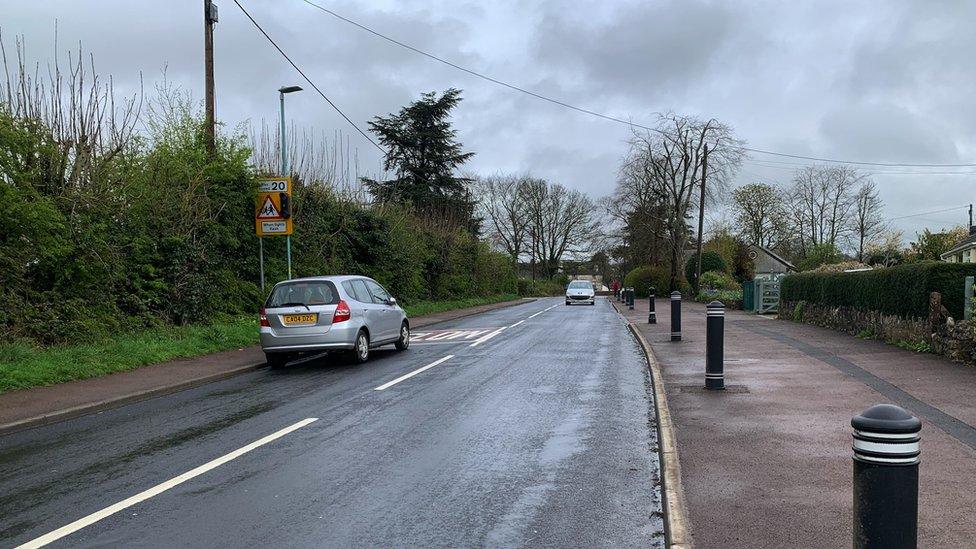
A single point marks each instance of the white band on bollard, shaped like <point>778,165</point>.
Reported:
<point>886,448</point>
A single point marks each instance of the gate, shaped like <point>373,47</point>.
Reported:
<point>767,295</point>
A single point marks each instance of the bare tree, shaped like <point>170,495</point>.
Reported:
<point>821,201</point>
<point>504,203</point>
<point>671,159</point>
<point>560,222</point>
<point>87,126</point>
<point>760,213</point>
<point>866,216</point>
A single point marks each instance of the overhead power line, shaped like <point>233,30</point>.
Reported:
<point>792,167</point>
<point>307,79</point>
<point>602,115</point>
<point>928,213</point>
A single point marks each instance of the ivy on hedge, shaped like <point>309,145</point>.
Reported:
<point>902,290</point>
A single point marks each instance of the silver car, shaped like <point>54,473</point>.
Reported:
<point>343,313</point>
<point>580,291</point>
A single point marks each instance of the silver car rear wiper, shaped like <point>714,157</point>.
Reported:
<point>295,304</point>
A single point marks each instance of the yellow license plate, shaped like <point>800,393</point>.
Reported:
<point>299,319</point>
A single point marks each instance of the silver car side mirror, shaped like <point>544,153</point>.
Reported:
<point>391,301</point>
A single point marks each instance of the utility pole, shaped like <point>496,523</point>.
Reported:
<point>209,19</point>
<point>701,219</point>
<point>970,217</point>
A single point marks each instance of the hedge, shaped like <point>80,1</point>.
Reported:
<point>902,290</point>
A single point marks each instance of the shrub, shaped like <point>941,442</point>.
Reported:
<point>540,288</point>
<point>798,311</point>
<point>642,279</point>
<point>730,298</point>
<point>711,261</point>
<point>714,280</point>
<point>902,290</point>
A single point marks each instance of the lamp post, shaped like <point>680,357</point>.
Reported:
<point>284,157</point>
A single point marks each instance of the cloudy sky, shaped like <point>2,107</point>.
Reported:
<point>879,81</point>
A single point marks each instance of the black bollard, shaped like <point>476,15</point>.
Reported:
<point>886,450</point>
<point>630,298</point>
<point>651,315</point>
<point>675,316</point>
<point>715,346</point>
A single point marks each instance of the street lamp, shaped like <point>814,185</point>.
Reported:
<point>284,158</point>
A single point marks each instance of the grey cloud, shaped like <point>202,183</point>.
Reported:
<point>877,81</point>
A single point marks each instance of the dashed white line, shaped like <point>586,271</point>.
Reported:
<point>517,323</point>
<point>158,489</point>
<point>540,312</point>
<point>389,384</point>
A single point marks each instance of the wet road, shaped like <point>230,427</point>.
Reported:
<point>539,434</point>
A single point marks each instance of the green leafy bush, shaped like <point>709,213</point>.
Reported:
<point>902,290</point>
<point>711,261</point>
<point>642,279</point>
<point>730,298</point>
<point>714,280</point>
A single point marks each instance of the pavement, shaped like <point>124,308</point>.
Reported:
<point>527,425</point>
<point>768,461</point>
<point>43,405</point>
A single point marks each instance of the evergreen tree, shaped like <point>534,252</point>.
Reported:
<point>424,154</point>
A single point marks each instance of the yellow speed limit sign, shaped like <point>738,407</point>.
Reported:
<point>272,208</point>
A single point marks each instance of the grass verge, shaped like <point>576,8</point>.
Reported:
<point>422,308</point>
<point>23,366</point>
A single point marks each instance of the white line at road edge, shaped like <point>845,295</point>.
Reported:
<point>389,384</point>
<point>159,488</point>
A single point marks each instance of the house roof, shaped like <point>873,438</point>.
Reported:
<point>969,242</point>
<point>775,257</point>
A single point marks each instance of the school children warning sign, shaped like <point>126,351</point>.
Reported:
<point>272,207</point>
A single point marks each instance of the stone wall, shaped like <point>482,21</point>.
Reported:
<point>940,334</point>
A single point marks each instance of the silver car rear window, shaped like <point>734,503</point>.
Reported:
<point>309,292</point>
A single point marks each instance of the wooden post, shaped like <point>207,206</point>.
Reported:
<point>209,18</point>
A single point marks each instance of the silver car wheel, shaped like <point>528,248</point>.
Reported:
<point>362,347</point>
<point>405,336</point>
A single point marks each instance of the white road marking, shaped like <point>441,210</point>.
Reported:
<point>159,488</point>
<point>389,384</point>
<point>517,323</point>
<point>540,312</point>
<point>442,335</point>
<point>446,336</point>
<point>485,338</point>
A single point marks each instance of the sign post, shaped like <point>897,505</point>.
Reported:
<point>272,214</point>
